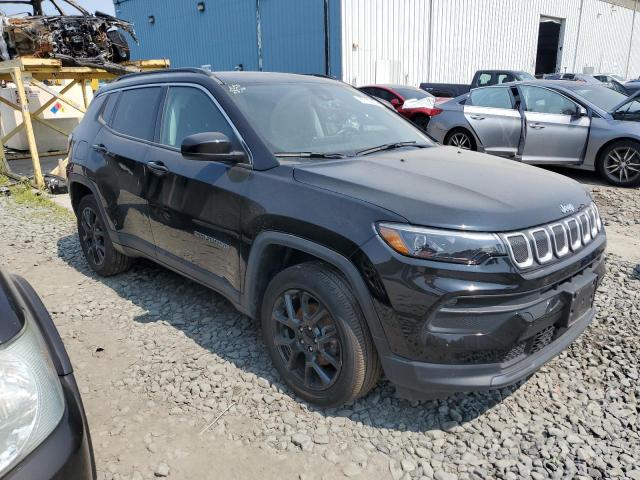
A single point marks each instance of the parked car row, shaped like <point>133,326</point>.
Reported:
<point>583,125</point>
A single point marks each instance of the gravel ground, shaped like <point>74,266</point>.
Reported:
<point>177,384</point>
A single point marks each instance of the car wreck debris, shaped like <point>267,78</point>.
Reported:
<point>77,40</point>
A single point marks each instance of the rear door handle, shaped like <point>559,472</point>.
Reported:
<point>477,117</point>
<point>537,126</point>
<point>100,148</point>
<point>157,168</point>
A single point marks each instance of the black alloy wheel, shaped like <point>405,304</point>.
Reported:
<point>307,339</point>
<point>93,235</point>
<point>96,245</point>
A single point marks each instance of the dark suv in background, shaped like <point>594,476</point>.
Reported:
<point>360,245</point>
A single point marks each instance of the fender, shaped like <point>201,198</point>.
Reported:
<point>268,238</point>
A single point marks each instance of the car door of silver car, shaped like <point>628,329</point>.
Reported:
<point>491,114</point>
<point>556,127</point>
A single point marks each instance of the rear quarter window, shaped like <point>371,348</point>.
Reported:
<point>136,112</point>
<point>108,107</point>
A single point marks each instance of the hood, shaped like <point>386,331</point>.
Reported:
<point>449,188</point>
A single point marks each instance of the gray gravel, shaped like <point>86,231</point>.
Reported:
<point>576,418</point>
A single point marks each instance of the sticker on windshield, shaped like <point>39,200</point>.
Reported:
<point>236,88</point>
<point>368,101</point>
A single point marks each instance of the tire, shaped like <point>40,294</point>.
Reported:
<point>422,122</point>
<point>619,163</point>
<point>96,245</point>
<point>460,138</point>
<point>315,291</point>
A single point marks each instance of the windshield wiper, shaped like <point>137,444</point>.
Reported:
<point>310,155</point>
<point>391,146</point>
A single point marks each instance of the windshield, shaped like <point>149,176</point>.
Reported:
<point>629,111</point>
<point>319,117</point>
<point>602,97</point>
<point>409,93</point>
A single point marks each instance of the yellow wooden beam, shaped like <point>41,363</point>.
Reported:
<point>26,118</point>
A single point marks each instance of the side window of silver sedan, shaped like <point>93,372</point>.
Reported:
<point>542,100</point>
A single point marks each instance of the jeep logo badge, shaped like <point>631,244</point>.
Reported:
<point>567,208</point>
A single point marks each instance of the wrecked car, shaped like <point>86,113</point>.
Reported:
<point>77,40</point>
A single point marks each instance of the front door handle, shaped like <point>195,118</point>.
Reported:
<point>537,126</point>
<point>157,168</point>
<point>477,117</point>
<point>100,148</point>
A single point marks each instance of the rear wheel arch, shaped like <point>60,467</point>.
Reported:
<point>471,135</point>
<point>77,191</point>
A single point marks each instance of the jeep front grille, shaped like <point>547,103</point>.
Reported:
<point>541,245</point>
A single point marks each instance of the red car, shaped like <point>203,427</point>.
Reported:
<point>411,102</point>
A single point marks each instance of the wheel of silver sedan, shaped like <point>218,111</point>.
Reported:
<point>460,140</point>
<point>622,164</point>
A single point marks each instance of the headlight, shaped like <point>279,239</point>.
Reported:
<point>31,399</point>
<point>468,248</point>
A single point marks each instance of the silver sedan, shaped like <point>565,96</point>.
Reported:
<point>576,124</point>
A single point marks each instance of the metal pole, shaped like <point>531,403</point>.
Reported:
<point>259,34</point>
<point>575,52</point>
<point>429,41</point>
<point>327,54</point>
<point>633,25</point>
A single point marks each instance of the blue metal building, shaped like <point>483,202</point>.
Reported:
<point>301,36</point>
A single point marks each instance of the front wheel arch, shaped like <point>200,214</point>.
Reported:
<point>251,298</point>
<point>603,153</point>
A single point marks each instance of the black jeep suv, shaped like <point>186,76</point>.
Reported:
<point>360,245</point>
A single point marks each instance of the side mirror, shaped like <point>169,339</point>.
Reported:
<point>396,103</point>
<point>212,146</point>
<point>581,112</point>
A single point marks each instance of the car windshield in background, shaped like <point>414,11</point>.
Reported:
<point>526,76</point>
<point>411,93</point>
<point>322,118</point>
<point>602,97</point>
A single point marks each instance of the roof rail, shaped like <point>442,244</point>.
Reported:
<point>167,70</point>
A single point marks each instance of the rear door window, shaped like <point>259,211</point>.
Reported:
<point>136,112</point>
<point>491,97</point>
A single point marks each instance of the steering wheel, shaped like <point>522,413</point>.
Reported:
<point>348,130</point>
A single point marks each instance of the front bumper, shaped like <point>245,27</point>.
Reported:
<point>417,377</point>
<point>459,328</point>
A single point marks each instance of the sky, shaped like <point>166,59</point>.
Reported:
<point>105,6</point>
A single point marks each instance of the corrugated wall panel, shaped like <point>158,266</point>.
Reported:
<point>226,35</point>
<point>468,35</point>
<point>383,39</point>
<point>192,38</point>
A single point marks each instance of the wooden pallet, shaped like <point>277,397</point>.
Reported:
<point>34,71</point>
